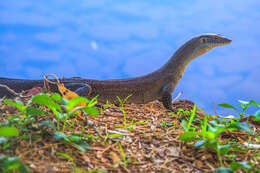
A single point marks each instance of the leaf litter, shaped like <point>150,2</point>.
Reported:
<point>147,147</point>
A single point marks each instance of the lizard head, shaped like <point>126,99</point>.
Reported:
<point>213,40</point>
<point>206,42</point>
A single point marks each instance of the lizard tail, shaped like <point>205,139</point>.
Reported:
<point>17,85</point>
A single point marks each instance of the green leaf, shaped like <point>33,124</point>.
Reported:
<point>189,136</point>
<point>192,117</point>
<point>257,116</point>
<point>238,165</point>
<point>18,104</point>
<point>82,149</point>
<point>44,99</point>
<point>2,140</point>
<point>211,128</point>
<point>122,152</point>
<point>184,124</point>
<point>163,123</point>
<point>180,111</point>
<point>243,102</point>
<point>224,149</point>
<point>200,143</point>
<point>241,127</point>
<point>75,101</point>
<point>93,102</point>
<point>56,96</point>
<point>211,135</point>
<point>61,116</point>
<point>23,168</point>
<point>48,123</point>
<point>140,122</point>
<point>251,102</point>
<point>214,122</point>
<point>224,170</point>
<point>11,163</point>
<point>82,146</point>
<point>169,124</point>
<point>91,111</point>
<point>59,136</point>
<point>3,157</point>
<point>8,131</point>
<point>225,105</point>
<point>66,156</point>
<point>34,111</point>
<point>114,135</point>
<point>74,138</point>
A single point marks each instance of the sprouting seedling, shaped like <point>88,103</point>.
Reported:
<point>69,158</point>
<point>122,154</point>
<point>122,108</point>
<point>107,105</point>
<point>124,101</point>
<point>193,113</point>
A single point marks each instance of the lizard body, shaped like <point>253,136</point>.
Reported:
<point>158,85</point>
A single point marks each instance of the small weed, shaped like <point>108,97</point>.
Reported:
<point>132,123</point>
<point>9,163</point>
<point>210,132</point>
<point>22,123</point>
<point>122,103</point>
<point>74,166</point>
<point>244,105</point>
<point>125,161</point>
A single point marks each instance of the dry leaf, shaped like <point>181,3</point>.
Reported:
<point>68,94</point>
<point>115,158</point>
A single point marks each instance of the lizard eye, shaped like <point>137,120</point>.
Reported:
<point>203,40</point>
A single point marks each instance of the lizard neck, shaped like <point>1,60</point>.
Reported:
<point>176,65</point>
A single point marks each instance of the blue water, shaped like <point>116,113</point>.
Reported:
<point>108,39</point>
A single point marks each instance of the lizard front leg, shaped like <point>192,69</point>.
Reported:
<point>166,98</point>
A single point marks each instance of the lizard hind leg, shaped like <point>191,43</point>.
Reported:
<point>82,89</point>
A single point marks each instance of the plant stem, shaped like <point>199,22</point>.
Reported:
<point>192,116</point>
<point>219,156</point>
<point>123,111</point>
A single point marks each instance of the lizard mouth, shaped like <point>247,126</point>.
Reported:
<point>222,42</point>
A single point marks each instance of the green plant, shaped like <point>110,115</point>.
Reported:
<point>244,104</point>
<point>107,105</point>
<point>125,161</point>
<point>30,112</point>
<point>74,140</point>
<point>74,166</point>
<point>122,103</point>
<point>50,101</point>
<point>132,123</point>
<point>21,124</point>
<point>209,135</point>
<point>9,163</point>
<point>163,123</point>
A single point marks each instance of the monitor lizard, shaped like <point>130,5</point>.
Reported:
<point>158,85</point>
